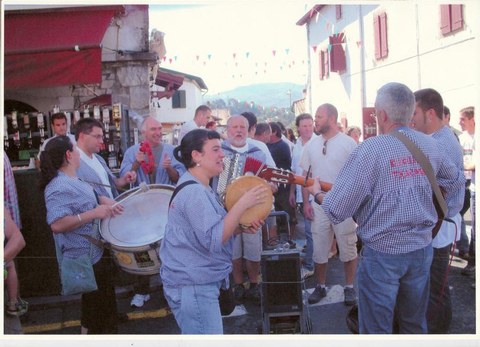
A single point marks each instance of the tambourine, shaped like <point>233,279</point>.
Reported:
<point>240,186</point>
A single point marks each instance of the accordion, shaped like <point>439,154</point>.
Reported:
<point>233,167</point>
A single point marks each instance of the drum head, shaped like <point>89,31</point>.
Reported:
<point>240,186</point>
<point>143,219</point>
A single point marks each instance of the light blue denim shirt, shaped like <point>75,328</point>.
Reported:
<point>192,251</point>
<point>68,196</point>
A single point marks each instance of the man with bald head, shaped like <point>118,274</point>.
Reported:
<point>166,170</point>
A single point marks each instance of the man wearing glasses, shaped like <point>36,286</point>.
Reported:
<point>93,169</point>
<point>326,156</point>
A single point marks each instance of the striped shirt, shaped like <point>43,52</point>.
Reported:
<point>192,251</point>
<point>68,196</point>
<point>389,195</point>
<point>449,232</point>
<point>10,196</point>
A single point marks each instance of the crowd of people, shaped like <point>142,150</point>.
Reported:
<point>378,214</point>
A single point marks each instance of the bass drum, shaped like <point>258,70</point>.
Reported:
<point>135,235</point>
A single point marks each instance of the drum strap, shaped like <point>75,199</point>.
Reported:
<point>98,243</point>
<point>178,188</point>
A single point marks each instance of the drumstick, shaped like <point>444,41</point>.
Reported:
<point>141,188</point>
<point>99,184</point>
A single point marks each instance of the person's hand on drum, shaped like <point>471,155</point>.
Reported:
<point>116,208</point>
<point>105,211</point>
<point>253,227</point>
<point>255,196</point>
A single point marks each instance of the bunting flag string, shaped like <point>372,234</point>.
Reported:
<point>247,64</point>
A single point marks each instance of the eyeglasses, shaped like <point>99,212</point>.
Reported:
<point>324,150</point>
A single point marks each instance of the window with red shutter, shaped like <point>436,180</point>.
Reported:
<point>337,53</point>
<point>380,35</point>
<point>451,18</point>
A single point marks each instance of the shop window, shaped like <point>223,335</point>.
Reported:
<point>380,33</point>
<point>337,53</point>
<point>179,99</point>
<point>324,68</point>
<point>451,18</point>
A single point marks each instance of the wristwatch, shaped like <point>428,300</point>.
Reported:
<point>315,198</point>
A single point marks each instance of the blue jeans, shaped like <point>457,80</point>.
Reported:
<point>308,262</point>
<point>196,307</point>
<point>389,280</point>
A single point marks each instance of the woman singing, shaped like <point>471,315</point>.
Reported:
<point>71,209</point>
<point>196,251</point>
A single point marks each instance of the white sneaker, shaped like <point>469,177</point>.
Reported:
<point>139,299</point>
<point>306,273</point>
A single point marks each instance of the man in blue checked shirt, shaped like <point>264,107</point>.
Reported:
<point>428,118</point>
<point>389,196</point>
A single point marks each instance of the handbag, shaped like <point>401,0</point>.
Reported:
<point>437,197</point>
<point>76,274</point>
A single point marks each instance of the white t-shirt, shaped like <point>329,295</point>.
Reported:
<point>98,168</point>
<point>467,142</point>
<point>327,167</point>
<point>187,127</point>
<point>42,147</point>
<point>296,157</point>
<point>263,147</point>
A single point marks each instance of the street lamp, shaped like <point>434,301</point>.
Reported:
<point>289,93</point>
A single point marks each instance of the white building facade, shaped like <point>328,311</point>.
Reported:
<point>355,49</point>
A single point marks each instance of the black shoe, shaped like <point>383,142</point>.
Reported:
<point>253,293</point>
<point>468,270</point>
<point>350,296</point>
<point>318,294</point>
<point>239,293</point>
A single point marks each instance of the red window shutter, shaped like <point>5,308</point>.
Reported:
<point>445,19</point>
<point>325,63</point>
<point>338,11</point>
<point>383,35</point>
<point>457,17</point>
<point>321,67</point>
<point>376,33</point>
<point>337,53</point>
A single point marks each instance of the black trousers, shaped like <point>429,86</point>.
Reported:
<point>99,308</point>
<point>439,310</point>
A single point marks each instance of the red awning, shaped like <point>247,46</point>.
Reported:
<point>56,46</point>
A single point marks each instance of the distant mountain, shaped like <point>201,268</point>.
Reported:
<point>264,94</point>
